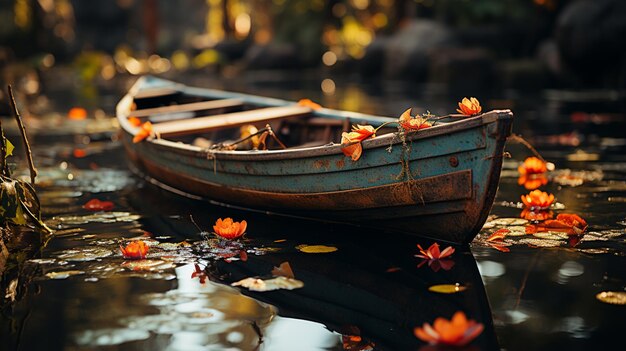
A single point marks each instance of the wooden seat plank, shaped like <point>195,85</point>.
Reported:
<point>193,106</point>
<point>228,120</point>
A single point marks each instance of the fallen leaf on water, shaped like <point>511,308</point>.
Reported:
<point>393,269</point>
<point>147,265</point>
<point>283,270</point>
<point>63,274</point>
<point>316,248</point>
<point>447,288</point>
<point>612,297</point>
<point>280,240</point>
<point>498,234</point>
<point>258,284</point>
<point>97,205</point>
<point>500,247</point>
<point>571,224</point>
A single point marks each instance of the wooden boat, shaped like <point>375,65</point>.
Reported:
<point>438,182</point>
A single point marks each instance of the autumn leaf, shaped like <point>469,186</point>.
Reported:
<point>316,248</point>
<point>283,270</point>
<point>97,205</point>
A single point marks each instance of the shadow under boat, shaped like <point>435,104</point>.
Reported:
<point>371,282</point>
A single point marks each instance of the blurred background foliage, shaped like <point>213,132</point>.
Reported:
<point>524,43</point>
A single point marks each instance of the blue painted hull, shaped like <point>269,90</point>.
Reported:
<point>438,182</point>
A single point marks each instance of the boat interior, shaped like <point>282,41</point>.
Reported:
<point>237,124</point>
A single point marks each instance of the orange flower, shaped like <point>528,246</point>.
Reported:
<point>413,123</point>
<point>135,250</point>
<point>134,121</point>
<point>538,200</point>
<point>459,331</point>
<point>144,132</point>
<point>309,103</point>
<point>532,181</point>
<point>568,223</point>
<point>77,113</point>
<point>539,215</point>
<point>532,165</point>
<point>433,252</point>
<point>469,107</point>
<point>352,140</point>
<point>228,229</point>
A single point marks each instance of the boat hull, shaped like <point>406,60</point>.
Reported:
<point>439,182</point>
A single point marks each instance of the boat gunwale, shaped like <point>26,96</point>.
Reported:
<point>385,140</point>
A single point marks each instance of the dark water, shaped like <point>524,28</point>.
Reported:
<point>538,295</point>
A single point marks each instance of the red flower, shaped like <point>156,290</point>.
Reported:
<point>532,165</point>
<point>228,229</point>
<point>97,205</point>
<point>433,252</point>
<point>538,200</point>
<point>469,107</point>
<point>135,250</point>
<point>459,331</point>
<point>413,123</point>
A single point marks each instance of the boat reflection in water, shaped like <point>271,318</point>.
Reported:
<point>371,287</point>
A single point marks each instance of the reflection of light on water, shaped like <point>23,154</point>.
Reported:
<point>516,316</point>
<point>489,270</point>
<point>569,269</point>
<point>296,334</point>
<point>575,326</point>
